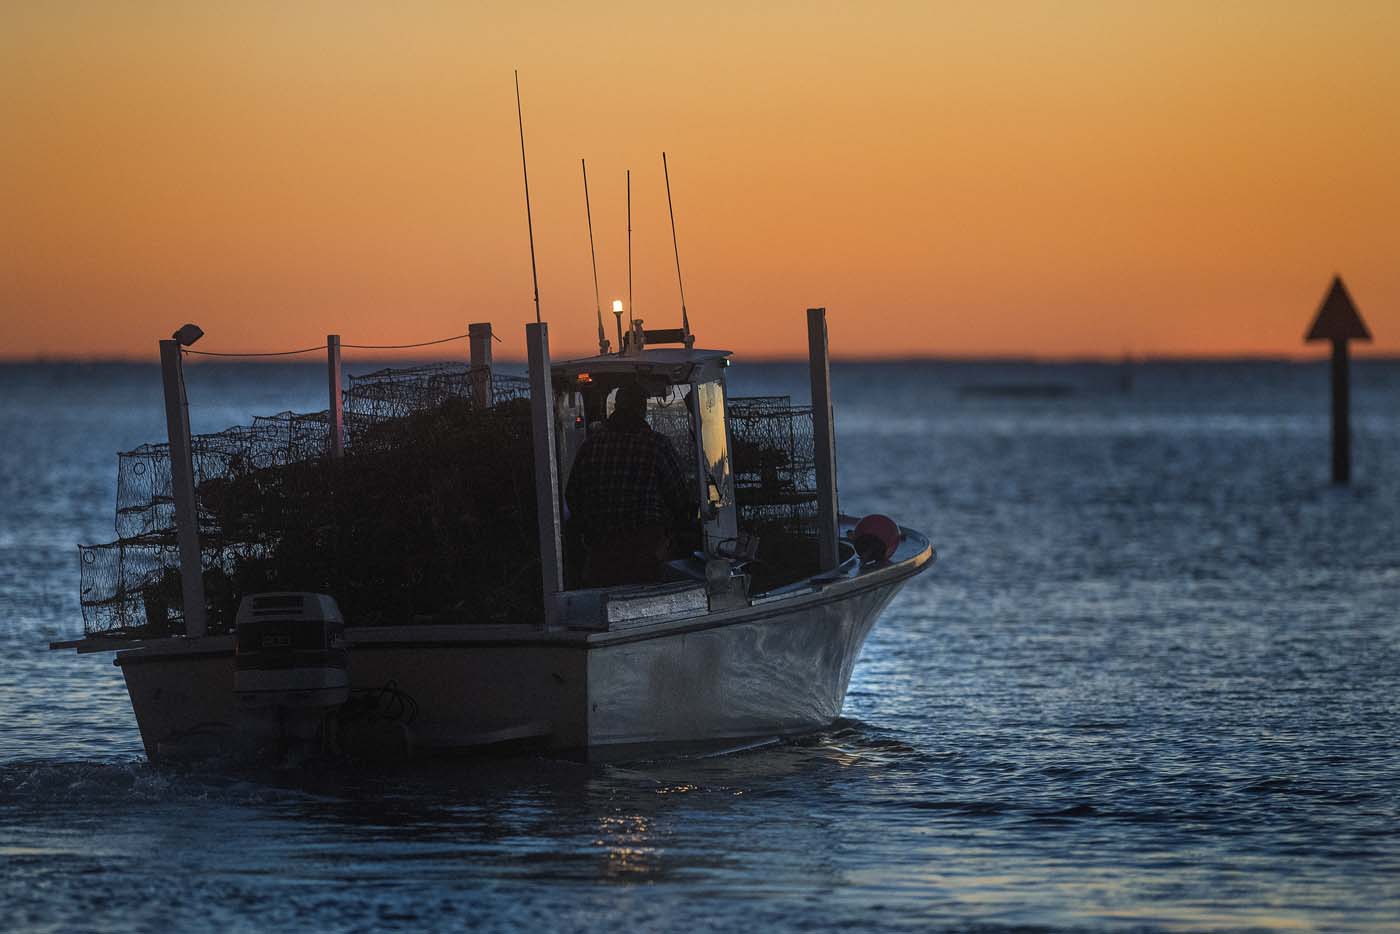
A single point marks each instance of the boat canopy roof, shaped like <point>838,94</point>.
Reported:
<point>674,365</point>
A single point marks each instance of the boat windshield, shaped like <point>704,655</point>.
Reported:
<point>715,467</point>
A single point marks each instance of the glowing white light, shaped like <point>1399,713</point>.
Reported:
<point>617,305</point>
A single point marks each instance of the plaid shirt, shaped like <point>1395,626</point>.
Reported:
<point>626,476</point>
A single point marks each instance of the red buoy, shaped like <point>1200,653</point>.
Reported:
<point>875,537</point>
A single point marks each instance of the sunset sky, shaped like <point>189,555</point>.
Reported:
<point>1053,179</point>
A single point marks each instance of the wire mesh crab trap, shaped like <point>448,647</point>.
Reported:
<point>430,514</point>
<point>431,509</point>
<point>775,485</point>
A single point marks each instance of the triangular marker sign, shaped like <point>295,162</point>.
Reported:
<point>1337,318</point>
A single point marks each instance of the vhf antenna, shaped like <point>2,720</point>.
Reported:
<point>629,261</point>
<point>529,222</point>
<point>675,245</point>
<point>597,301</point>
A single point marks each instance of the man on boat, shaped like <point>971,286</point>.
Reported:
<point>629,496</point>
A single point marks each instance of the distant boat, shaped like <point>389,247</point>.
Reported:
<point>1018,390</point>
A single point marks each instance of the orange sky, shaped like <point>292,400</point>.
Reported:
<point>947,178</point>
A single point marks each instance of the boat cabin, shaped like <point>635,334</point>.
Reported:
<point>686,403</point>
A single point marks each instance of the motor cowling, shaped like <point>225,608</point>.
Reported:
<point>290,651</point>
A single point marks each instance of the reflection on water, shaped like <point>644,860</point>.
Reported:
<point>631,851</point>
<point>1151,684</point>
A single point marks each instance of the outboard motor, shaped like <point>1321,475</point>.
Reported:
<point>291,652</point>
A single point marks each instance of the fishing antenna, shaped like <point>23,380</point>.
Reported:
<point>529,222</point>
<point>597,301</point>
<point>675,245</point>
<point>629,253</point>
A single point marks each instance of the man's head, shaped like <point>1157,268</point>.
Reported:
<point>631,400</point>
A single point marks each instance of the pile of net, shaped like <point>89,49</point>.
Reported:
<point>430,511</point>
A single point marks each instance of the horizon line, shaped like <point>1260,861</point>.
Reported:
<point>1319,356</point>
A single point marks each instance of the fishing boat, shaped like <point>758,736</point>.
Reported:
<point>722,653</point>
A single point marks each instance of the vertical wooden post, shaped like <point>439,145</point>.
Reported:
<point>824,439</point>
<point>479,335</point>
<point>546,468</point>
<point>1341,413</point>
<point>336,412</point>
<point>177,427</point>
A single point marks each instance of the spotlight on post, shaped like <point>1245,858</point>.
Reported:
<point>188,334</point>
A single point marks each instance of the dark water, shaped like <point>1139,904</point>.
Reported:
<point>1151,684</point>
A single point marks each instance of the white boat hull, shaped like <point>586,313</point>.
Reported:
<point>721,678</point>
<point>777,675</point>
